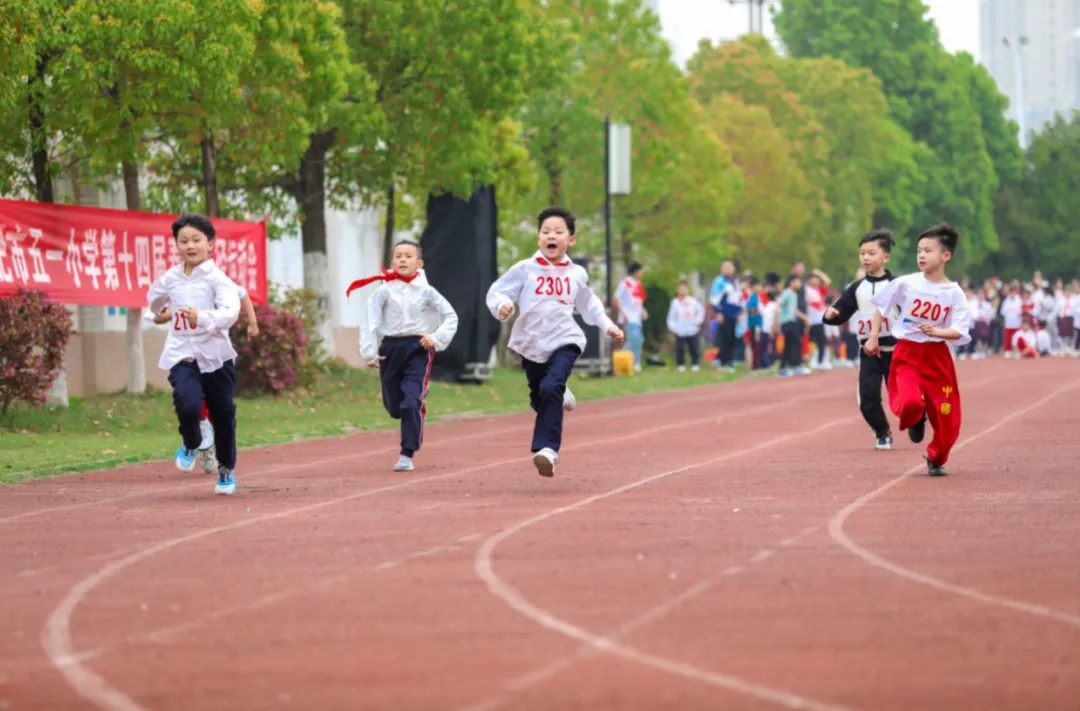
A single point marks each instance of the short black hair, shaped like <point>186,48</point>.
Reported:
<point>944,233</point>
<point>633,268</point>
<point>411,243</point>
<point>884,238</point>
<point>791,278</point>
<point>772,278</point>
<point>193,219</point>
<point>555,211</point>
<point>753,280</point>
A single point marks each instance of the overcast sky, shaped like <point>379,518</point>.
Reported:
<point>687,21</point>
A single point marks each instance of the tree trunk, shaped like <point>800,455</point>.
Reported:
<point>388,233</point>
<point>136,365</point>
<point>209,176</point>
<point>310,195</point>
<point>39,139</point>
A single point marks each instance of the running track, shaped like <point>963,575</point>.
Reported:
<point>735,547</point>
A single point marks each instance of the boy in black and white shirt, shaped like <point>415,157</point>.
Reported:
<point>875,249</point>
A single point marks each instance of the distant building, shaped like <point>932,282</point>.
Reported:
<point>1045,32</point>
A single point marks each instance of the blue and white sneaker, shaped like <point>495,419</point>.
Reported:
<point>207,431</point>
<point>784,373</point>
<point>185,459</point>
<point>226,482</point>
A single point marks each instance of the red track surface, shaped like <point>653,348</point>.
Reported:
<point>734,547</point>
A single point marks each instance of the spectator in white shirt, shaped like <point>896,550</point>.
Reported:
<point>402,311</point>
<point>547,287</point>
<point>684,319</point>
<point>202,303</point>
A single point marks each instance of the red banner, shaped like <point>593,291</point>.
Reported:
<point>99,257</point>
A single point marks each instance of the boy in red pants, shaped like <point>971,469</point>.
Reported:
<point>933,310</point>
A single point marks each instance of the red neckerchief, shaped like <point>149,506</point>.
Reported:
<point>545,263</point>
<point>386,275</point>
<point>636,288</point>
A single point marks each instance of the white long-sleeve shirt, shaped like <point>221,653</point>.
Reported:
<point>923,301</point>
<point>631,298</point>
<point>1012,311</point>
<point>546,295</point>
<point>216,297</point>
<point>685,316</point>
<point>399,308</point>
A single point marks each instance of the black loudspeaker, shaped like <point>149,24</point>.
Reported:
<point>460,260</point>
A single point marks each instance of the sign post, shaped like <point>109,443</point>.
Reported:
<point>616,182</point>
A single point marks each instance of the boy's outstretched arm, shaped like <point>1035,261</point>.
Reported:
<point>448,321</point>
<point>592,312</point>
<point>369,341</point>
<point>505,292</point>
<point>844,308</point>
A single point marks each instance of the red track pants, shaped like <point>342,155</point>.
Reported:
<point>923,377</point>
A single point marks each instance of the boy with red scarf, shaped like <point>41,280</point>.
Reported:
<point>402,310</point>
<point>933,310</point>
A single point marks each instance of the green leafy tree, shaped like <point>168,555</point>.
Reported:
<point>614,62</point>
<point>1037,214</point>
<point>933,95</point>
<point>128,67</point>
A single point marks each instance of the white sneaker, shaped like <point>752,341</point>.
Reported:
<point>695,369</point>
<point>545,461</point>
<point>207,430</point>
<point>569,402</point>
<point>681,369</point>
<point>208,460</point>
<point>404,464</point>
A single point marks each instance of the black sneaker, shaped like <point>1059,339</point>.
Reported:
<point>884,442</point>
<point>934,469</point>
<point>917,432</point>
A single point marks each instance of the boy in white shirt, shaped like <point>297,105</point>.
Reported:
<point>401,311</point>
<point>684,319</point>
<point>202,303</point>
<point>547,287</point>
<point>206,453</point>
<point>922,379</point>
<point>1012,314</point>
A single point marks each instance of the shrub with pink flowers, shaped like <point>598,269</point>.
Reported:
<point>34,333</point>
<point>272,361</point>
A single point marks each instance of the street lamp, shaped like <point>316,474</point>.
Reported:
<point>760,12</point>
<point>1021,43</point>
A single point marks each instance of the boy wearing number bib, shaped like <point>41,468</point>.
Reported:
<point>547,288</point>
<point>404,311</point>
<point>855,305</point>
<point>201,303</point>
<point>933,312</point>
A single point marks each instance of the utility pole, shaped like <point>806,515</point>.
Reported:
<point>1017,47</point>
<point>757,26</point>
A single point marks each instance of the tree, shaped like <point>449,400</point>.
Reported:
<point>131,65</point>
<point>932,95</point>
<point>777,200</point>
<point>615,62</point>
<point>1037,214</point>
<point>295,70</point>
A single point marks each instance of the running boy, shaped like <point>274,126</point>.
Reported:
<point>547,287</point>
<point>202,303</point>
<point>402,310</point>
<point>206,454</point>
<point>875,250</point>
<point>933,310</point>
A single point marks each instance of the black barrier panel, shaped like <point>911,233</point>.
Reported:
<point>460,253</point>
